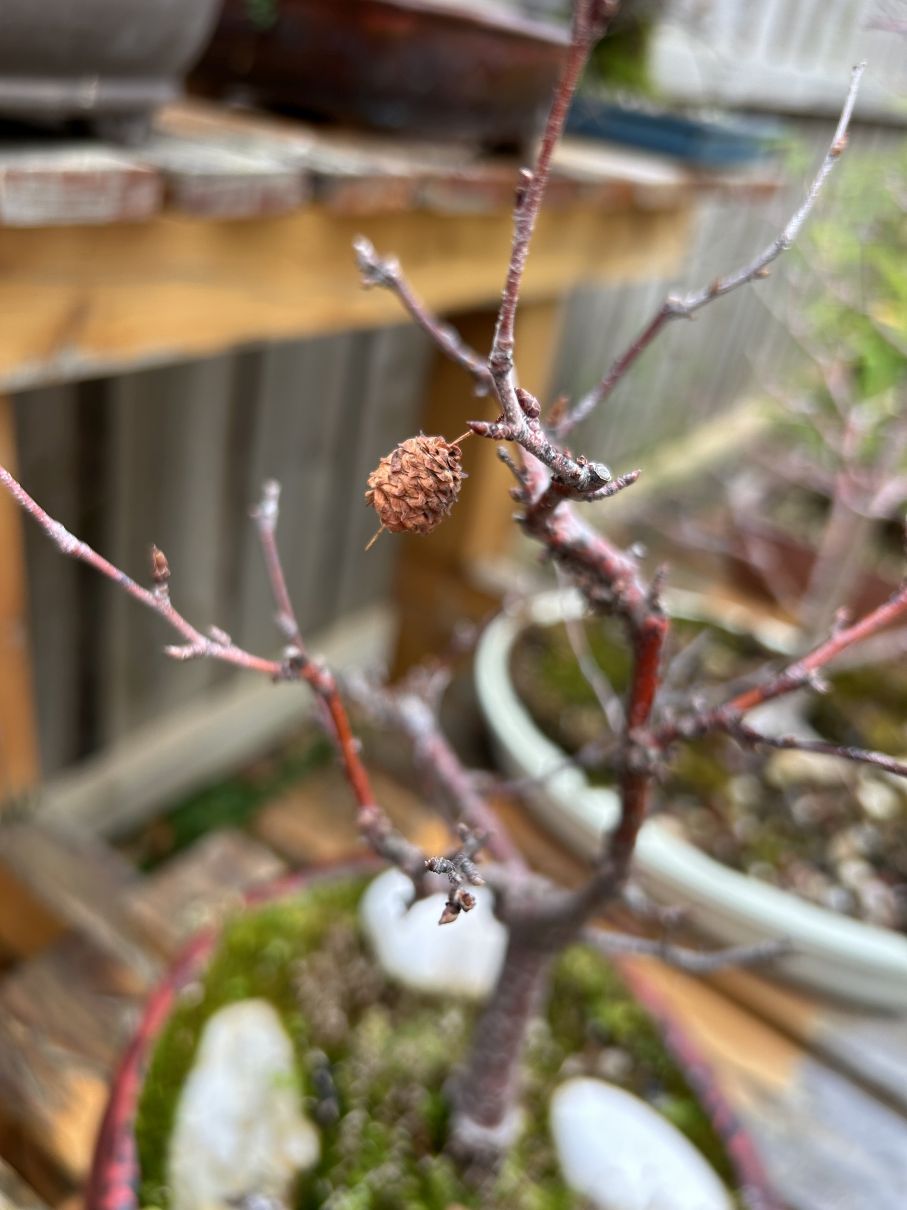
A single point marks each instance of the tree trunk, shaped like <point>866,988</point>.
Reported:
<point>486,1091</point>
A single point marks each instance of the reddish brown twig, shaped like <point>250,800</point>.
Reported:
<point>685,307</point>
<point>590,20</point>
<point>376,828</point>
<point>795,676</point>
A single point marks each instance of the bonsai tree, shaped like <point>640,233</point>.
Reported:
<point>413,489</point>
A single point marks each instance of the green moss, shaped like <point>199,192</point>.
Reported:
<point>372,1061</point>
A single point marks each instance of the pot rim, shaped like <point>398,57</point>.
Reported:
<point>860,962</point>
<point>111,1183</point>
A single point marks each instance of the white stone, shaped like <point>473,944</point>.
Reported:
<point>459,959</point>
<point>617,1152</point>
<point>239,1126</point>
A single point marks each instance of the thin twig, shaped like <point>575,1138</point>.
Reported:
<point>385,271</point>
<point>694,961</point>
<point>592,672</point>
<point>374,825</point>
<point>686,306</point>
<point>266,515</point>
<point>413,714</point>
<point>754,739</point>
<point>796,675</point>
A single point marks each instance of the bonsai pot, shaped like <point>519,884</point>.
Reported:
<point>115,1180</point>
<point>111,61</point>
<point>831,953</point>
<point>445,72</point>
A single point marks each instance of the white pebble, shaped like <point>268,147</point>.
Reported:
<point>239,1127</point>
<point>459,959</point>
<point>617,1152</point>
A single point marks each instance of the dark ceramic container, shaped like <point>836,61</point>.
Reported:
<point>401,65</point>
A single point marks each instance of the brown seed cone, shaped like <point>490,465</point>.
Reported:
<point>416,485</point>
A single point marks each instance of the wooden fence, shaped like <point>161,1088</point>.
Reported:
<point>176,456</point>
<point>737,346</point>
<point>786,56</point>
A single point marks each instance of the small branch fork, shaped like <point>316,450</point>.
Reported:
<point>411,708</point>
<point>296,664</point>
<point>685,307</point>
<point>806,671</point>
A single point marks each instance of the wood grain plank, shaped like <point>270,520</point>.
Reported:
<point>18,723</point>
<point>64,1018</point>
<point>167,465</point>
<point>14,1193</point>
<point>56,878</point>
<point>78,302</point>
<point>47,423</point>
<point>74,184</point>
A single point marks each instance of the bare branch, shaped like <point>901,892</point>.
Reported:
<point>696,962</point>
<point>265,515</point>
<point>754,739</point>
<point>686,306</point>
<point>386,272</point>
<point>593,674</point>
<point>297,666</point>
<point>589,23</point>
<point>412,713</point>
<point>801,672</point>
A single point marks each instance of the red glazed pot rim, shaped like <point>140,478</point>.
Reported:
<point>112,1183</point>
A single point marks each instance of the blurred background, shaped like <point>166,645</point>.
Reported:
<point>180,185</point>
<point>724,107</point>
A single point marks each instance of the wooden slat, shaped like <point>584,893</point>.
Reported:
<point>56,879</point>
<point>78,302</point>
<point>47,422</point>
<point>64,1018</point>
<point>74,184</point>
<point>200,887</point>
<point>14,1193</point>
<point>169,451</point>
<point>293,431</point>
<point>18,732</point>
